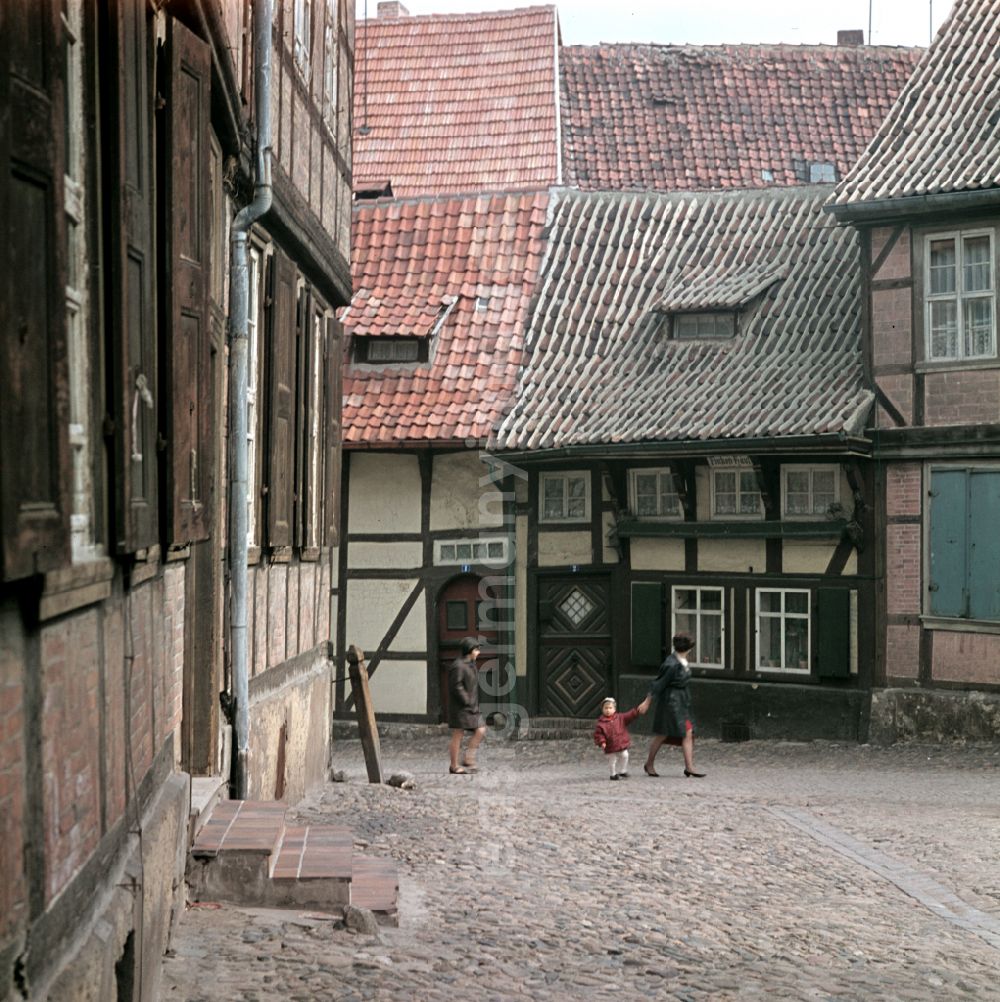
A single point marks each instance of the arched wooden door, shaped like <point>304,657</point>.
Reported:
<point>458,608</point>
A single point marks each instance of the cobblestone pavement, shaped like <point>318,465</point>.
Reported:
<point>793,871</point>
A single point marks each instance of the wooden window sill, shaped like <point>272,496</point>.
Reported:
<point>76,587</point>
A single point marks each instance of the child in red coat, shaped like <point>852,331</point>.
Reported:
<point>611,734</point>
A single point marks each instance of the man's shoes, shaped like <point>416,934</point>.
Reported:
<point>694,775</point>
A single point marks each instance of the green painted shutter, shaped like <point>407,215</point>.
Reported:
<point>833,633</point>
<point>949,543</point>
<point>647,623</point>
<point>984,544</point>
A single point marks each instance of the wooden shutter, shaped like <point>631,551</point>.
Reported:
<point>332,432</point>
<point>833,632</point>
<point>303,391</point>
<point>35,471</point>
<point>188,229</point>
<point>131,261</point>
<point>281,399</point>
<point>648,621</point>
<point>984,544</point>
<point>948,543</point>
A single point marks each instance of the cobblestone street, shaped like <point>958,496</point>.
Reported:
<point>793,871</point>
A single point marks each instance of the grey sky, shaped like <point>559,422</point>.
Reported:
<point>706,22</point>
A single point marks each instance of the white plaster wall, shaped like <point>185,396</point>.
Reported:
<point>393,556</point>
<point>371,608</point>
<point>384,493</point>
<point>560,549</point>
<point>734,555</point>
<point>521,595</point>
<point>608,524</point>
<point>399,687</point>
<point>657,554</point>
<point>457,500</point>
<point>806,558</point>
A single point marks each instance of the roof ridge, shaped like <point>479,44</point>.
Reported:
<point>469,16</point>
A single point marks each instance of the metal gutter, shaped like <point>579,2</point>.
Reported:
<point>893,209</point>
<point>239,296</point>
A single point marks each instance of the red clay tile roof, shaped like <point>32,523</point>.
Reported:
<point>943,134</point>
<point>673,118</point>
<point>478,255</point>
<point>456,103</point>
<point>601,370</point>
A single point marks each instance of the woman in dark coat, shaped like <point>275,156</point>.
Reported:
<point>672,721</point>
<point>463,707</point>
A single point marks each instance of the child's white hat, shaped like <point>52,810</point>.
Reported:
<point>608,699</point>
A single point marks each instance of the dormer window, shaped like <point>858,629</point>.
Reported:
<point>822,172</point>
<point>390,350</point>
<point>703,326</point>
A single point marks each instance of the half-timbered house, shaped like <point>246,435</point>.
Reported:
<point>444,106</point>
<point>127,140</point>
<point>925,202</point>
<point>690,416</point>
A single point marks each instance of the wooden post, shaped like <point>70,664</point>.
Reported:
<point>366,713</point>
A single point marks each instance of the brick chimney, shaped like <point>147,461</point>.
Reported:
<point>852,36</point>
<point>391,8</point>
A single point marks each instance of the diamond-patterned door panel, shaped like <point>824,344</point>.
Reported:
<point>577,606</point>
<point>574,680</point>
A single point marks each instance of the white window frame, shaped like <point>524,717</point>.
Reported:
<point>83,543</point>
<point>315,495</point>
<point>811,469</point>
<point>959,297</point>
<point>330,48</point>
<point>633,489</point>
<point>781,616</point>
<point>256,270</point>
<point>699,614</point>
<point>564,476</point>
<point>446,551</point>
<point>756,516</point>
<point>303,35</point>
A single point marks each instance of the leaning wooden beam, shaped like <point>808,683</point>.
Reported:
<point>366,713</point>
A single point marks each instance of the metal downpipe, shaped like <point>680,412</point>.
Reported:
<point>239,294</point>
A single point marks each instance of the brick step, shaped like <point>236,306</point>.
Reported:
<point>246,853</point>
<point>553,728</point>
<point>375,886</point>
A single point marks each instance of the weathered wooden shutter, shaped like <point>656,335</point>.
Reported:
<point>948,543</point>
<point>984,544</point>
<point>648,622</point>
<point>303,355</point>
<point>187,222</point>
<point>833,632</point>
<point>281,399</point>
<point>129,194</point>
<point>332,432</point>
<point>35,469</point>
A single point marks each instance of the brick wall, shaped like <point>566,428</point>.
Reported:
<point>966,657</point>
<point>71,730</point>
<point>892,323</point>
<point>903,487</point>
<point>962,397</point>
<point>897,263</point>
<point>903,568</point>
<point>13,887</point>
<point>899,389</point>
<point>902,652</point>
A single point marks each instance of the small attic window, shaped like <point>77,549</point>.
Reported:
<point>368,190</point>
<point>767,175</point>
<point>821,172</point>
<point>703,326</point>
<point>482,303</point>
<point>390,349</point>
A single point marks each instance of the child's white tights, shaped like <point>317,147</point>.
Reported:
<point>619,762</point>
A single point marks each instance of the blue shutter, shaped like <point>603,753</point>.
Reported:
<point>984,544</point>
<point>948,564</point>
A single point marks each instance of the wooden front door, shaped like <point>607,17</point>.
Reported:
<point>574,645</point>
<point>458,617</point>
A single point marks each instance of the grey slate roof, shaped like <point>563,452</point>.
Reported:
<point>943,133</point>
<point>600,370</point>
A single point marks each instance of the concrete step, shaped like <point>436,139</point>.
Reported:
<point>206,793</point>
<point>553,728</point>
<point>246,853</point>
